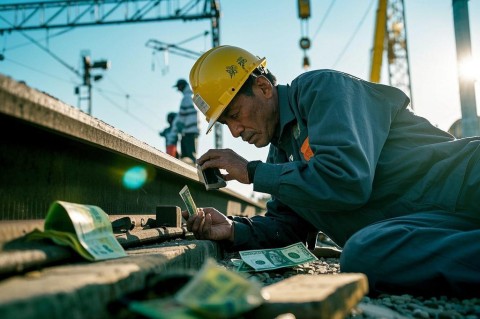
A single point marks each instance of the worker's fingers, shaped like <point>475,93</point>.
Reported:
<point>207,226</point>
<point>227,177</point>
<point>198,222</point>
<point>192,222</point>
<point>219,162</point>
<point>185,214</point>
<point>209,155</point>
<point>226,159</point>
<point>215,156</point>
<point>201,233</point>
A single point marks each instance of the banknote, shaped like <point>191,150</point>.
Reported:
<point>244,267</point>
<point>188,200</point>
<point>274,258</point>
<point>161,308</point>
<point>61,238</point>
<point>85,228</point>
<point>217,292</point>
<point>241,266</point>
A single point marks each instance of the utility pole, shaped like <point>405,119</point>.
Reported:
<point>215,21</point>
<point>68,14</point>
<point>470,123</point>
<point>87,79</point>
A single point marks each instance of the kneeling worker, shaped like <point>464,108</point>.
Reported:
<point>347,158</point>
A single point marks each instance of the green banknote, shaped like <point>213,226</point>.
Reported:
<point>164,308</point>
<point>216,292</point>
<point>267,259</point>
<point>244,267</point>
<point>85,228</point>
<point>188,200</point>
<point>63,239</point>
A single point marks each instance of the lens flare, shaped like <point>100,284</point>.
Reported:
<point>135,177</point>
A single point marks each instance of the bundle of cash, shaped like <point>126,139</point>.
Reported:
<point>85,228</point>
<point>188,200</point>
<point>61,238</point>
<point>274,258</point>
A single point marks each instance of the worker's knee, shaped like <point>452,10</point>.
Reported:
<point>356,254</point>
<point>429,254</point>
<point>369,251</point>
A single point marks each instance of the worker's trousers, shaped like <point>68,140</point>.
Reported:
<point>428,254</point>
<point>188,146</point>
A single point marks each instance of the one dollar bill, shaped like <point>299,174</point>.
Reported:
<point>267,259</point>
<point>188,200</point>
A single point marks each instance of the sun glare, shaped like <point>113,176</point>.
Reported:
<point>469,69</point>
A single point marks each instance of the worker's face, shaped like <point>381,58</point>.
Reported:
<point>253,118</point>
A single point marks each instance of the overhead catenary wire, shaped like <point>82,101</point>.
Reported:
<point>53,55</point>
<point>124,110</point>
<point>325,16</point>
<point>129,96</point>
<point>204,34</point>
<point>20,45</point>
<point>37,70</point>
<point>102,92</point>
<point>350,40</point>
<point>58,59</point>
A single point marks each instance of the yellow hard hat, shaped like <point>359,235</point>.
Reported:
<point>217,76</point>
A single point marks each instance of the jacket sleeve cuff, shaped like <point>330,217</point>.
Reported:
<point>251,168</point>
<point>242,234</point>
<point>266,178</point>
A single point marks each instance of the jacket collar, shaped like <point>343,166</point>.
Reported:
<point>286,114</point>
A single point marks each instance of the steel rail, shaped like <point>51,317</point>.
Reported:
<point>52,151</point>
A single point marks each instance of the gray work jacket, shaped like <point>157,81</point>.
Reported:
<point>348,153</point>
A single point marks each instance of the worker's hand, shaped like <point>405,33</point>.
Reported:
<point>234,164</point>
<point>209,223</point>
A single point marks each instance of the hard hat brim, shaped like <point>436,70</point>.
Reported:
<point>211,123</point>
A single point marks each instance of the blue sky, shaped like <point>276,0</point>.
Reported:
<point>136,93</point>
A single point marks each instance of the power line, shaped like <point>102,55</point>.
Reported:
<point>53,55</point>
<point>340,56</point>
<point>96,88</point>
<point>129,96</point>
<point>124,110</point>
<point>325,16</point>
<point>204,34</point>
<point>36,70</point>
<point>28,43</point>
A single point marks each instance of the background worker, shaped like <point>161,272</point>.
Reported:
<point>171,136</point>
<point>349,159</point>
<point>186,123</point>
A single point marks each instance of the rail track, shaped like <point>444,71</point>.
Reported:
<point>52,151</point>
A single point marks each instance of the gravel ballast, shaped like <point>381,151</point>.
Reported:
<point>382,306</point>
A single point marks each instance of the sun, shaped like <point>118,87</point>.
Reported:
<point>469,69</point>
